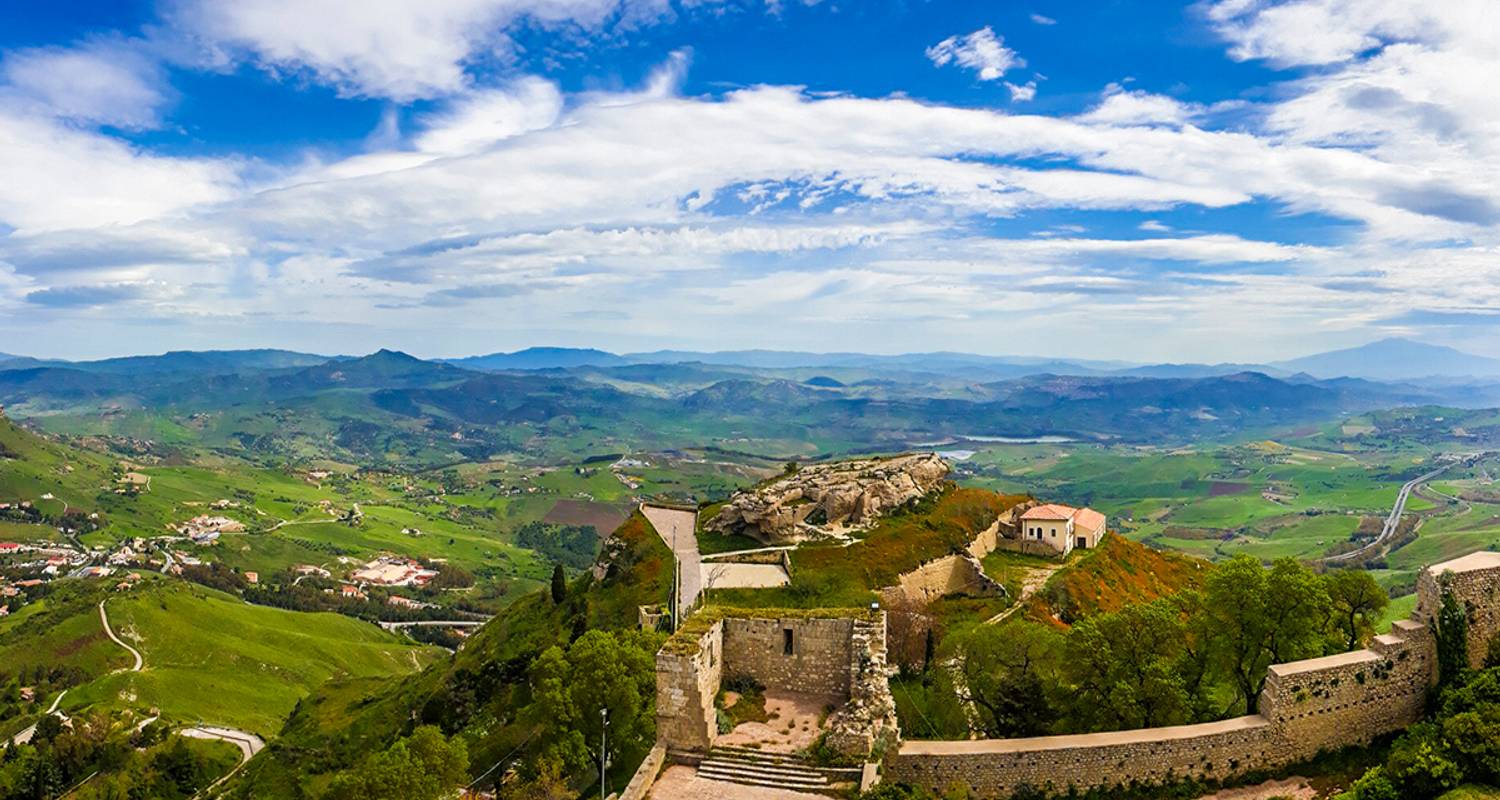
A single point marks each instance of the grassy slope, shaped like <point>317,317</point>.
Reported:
<point>210,657</point>
<point>1118,573</point>
<point>344,720</point>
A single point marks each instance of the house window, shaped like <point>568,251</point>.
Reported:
<point>787,647</point>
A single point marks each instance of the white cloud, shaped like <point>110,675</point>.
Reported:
<point>1155,226</point>
<point>1122,107</point>
<point>485,117</point>
<point>59,177</point>
<point>103,81</point>
<point>981,51</point>
<point>1022,93</point>
<point>1043,20</point>
<point>398,49</point>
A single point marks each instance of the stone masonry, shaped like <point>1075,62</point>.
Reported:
<point>1306,707</point>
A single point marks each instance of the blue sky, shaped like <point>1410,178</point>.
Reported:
<point>1217,180</point>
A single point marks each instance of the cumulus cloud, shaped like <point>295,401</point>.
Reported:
<point>104,81</point>
<point>981,51</point>
<point>843,212</point>
<point>393,48</point>
<point>1021,93</point>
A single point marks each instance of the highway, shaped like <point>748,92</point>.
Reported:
<point>1393,520</point>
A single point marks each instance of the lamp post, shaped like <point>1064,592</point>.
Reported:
<point>603,751</point>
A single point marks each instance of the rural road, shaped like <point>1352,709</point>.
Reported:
<point>434,623</point>
<point>25,735</point>
<point>678,528</point>
<point>1393,520</point>
<point>139,662</point>
<point>248,743</point>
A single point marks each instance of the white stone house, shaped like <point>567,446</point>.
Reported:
<point>1061,527</point>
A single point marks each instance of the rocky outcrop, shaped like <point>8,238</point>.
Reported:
<point>824,498</point>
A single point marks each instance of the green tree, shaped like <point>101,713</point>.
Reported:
<point>1124,666</point>
<point>423,766</point>
<point>559,585</point>
<point>1010,677</point>
<point>599,670</point>
<point>1420,764</point>
<point>1261,617</point>
<point>1357,603</point>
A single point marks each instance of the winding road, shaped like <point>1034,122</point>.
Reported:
<point>1392,520</point>
<point>139,662</point>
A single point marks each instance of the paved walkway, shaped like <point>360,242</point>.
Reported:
<point>678,528</point>
<point>743,576</point>
<point>139,662</point>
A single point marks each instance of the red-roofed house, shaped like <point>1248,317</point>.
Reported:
<point>9,547</point>
<point>1062,527</point>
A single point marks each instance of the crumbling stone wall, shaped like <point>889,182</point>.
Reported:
<point>840,657</point>
<point>1306,707</point>
<point>687,681</point>
<point>960,573</point>
<point>869,718</point>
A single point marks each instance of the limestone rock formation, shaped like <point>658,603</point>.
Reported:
<point>823,498</point>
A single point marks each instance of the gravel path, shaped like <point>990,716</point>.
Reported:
<point>139,662</point>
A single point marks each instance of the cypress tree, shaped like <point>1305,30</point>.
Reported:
<point>1452,638</point>
<point>559,585</point>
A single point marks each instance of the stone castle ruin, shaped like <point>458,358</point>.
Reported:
<point>834,653</point>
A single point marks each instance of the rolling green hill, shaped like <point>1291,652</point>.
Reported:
<point>209,657</point>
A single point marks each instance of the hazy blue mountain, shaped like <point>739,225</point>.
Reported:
<point>1394,360</point>
<point>986,367</point>
<point>202,362</point>
<point>541,358</point>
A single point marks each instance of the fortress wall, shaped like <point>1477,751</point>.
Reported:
<point>1350,698</point>
<point>686,684</point>
<point>1474,580</point>
<point>822,660</point>
<point>997,767</point>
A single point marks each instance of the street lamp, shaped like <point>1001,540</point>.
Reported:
<point>603,752</point>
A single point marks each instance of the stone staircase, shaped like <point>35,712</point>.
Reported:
<point>751,767</point>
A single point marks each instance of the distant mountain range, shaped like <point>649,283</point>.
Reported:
<point>1394,360</point>
<point>1384,360</point>
<point>1387,360</point>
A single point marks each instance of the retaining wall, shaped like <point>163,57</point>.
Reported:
<point>1306,707</point>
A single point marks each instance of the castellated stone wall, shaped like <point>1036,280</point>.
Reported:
<point>1306,707</point>
<point>687,681</point>
<point>1331,702</point>
<point>1475,581</point>
<point>821,661</point>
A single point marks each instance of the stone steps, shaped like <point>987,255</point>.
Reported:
<point>751,767</point>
